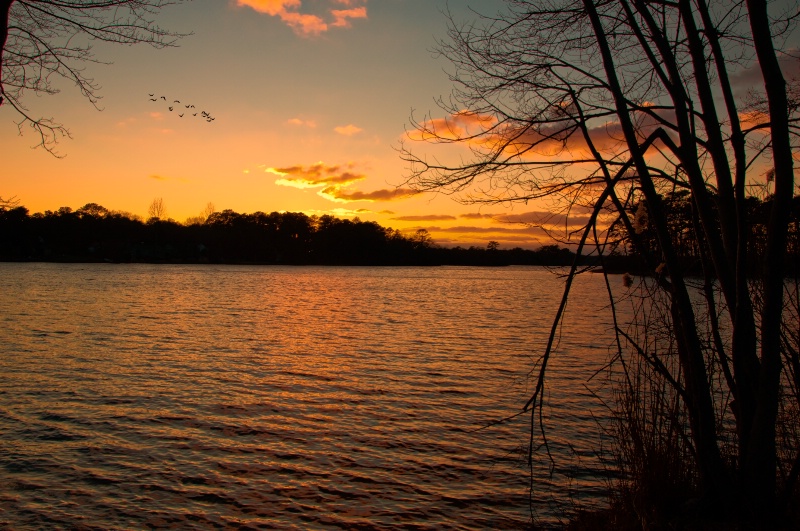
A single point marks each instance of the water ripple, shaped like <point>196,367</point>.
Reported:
<point>136,397</point>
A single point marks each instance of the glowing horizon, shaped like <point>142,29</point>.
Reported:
<point>242,112</point>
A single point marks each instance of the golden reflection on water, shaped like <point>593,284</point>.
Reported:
<point>182,396</point>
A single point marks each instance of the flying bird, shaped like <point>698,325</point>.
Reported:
<point>204,114</point>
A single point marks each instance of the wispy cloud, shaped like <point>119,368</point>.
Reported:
<point>347,130</point>
<point>337,193</point>
<point>341,17</point>
<point>545,219</point>
<point>302,123</point>
<point>476,215</point>
<point>162,178</point>
<point>750,78</point>
<point>530,237</point>
<point>550,139</point>
<point>468,229</point>
<point>309,24</point>
<point>429,217</point>
<point>341,212</point>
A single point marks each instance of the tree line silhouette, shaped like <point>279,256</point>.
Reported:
<point>93,233</point>
<point>629,254</point>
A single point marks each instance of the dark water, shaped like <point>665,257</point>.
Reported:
<point>201,397</point>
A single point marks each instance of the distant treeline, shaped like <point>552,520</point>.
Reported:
<point>92,233</point>
<point>634,253</point>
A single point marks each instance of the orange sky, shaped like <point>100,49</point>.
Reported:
<point>310,100</point>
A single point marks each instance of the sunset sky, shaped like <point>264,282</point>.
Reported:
<point>307,103</point>
<point>310,100</point>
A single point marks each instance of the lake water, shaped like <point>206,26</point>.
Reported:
<point>199,397</point>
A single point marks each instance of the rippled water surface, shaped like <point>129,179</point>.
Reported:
<point>198,397</point>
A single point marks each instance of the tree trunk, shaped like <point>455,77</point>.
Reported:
<point>760,462</point>
<point>700,408</point>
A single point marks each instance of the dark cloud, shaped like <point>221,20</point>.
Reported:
<point>477,215</point>
<point>540,218</point>
<point>337,193</point>
<point>750,78</point>
<point>466,229</point>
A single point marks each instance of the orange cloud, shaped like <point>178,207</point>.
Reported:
<point>270,7</point>
<point>514,138</point>
<point>347,130</point>
<point>298,121</point>
<point>342,16</point>
<point>336,193</point>
<point>334,181</point>
<point>753,118</point>
<point>306,24</point>
<point>457,126</point>
<point>315,176</point>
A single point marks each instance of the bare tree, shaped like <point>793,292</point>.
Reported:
<point>43,41</point>
<point>203,216</point>
<point>612,105</point>
<point>8,204</point>
<point>157,209</point>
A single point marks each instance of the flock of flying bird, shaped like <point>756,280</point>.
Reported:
<point>186,108</point>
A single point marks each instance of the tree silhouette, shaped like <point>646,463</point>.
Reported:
<point>628,108</point>
<point>93,210</point>
<point>9,203</point>
<point>157,209</point>
<point>203,216</point>
<point>45,40</point>
<point>93,233</point>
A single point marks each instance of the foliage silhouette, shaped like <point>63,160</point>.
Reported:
<point>95,234</point>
